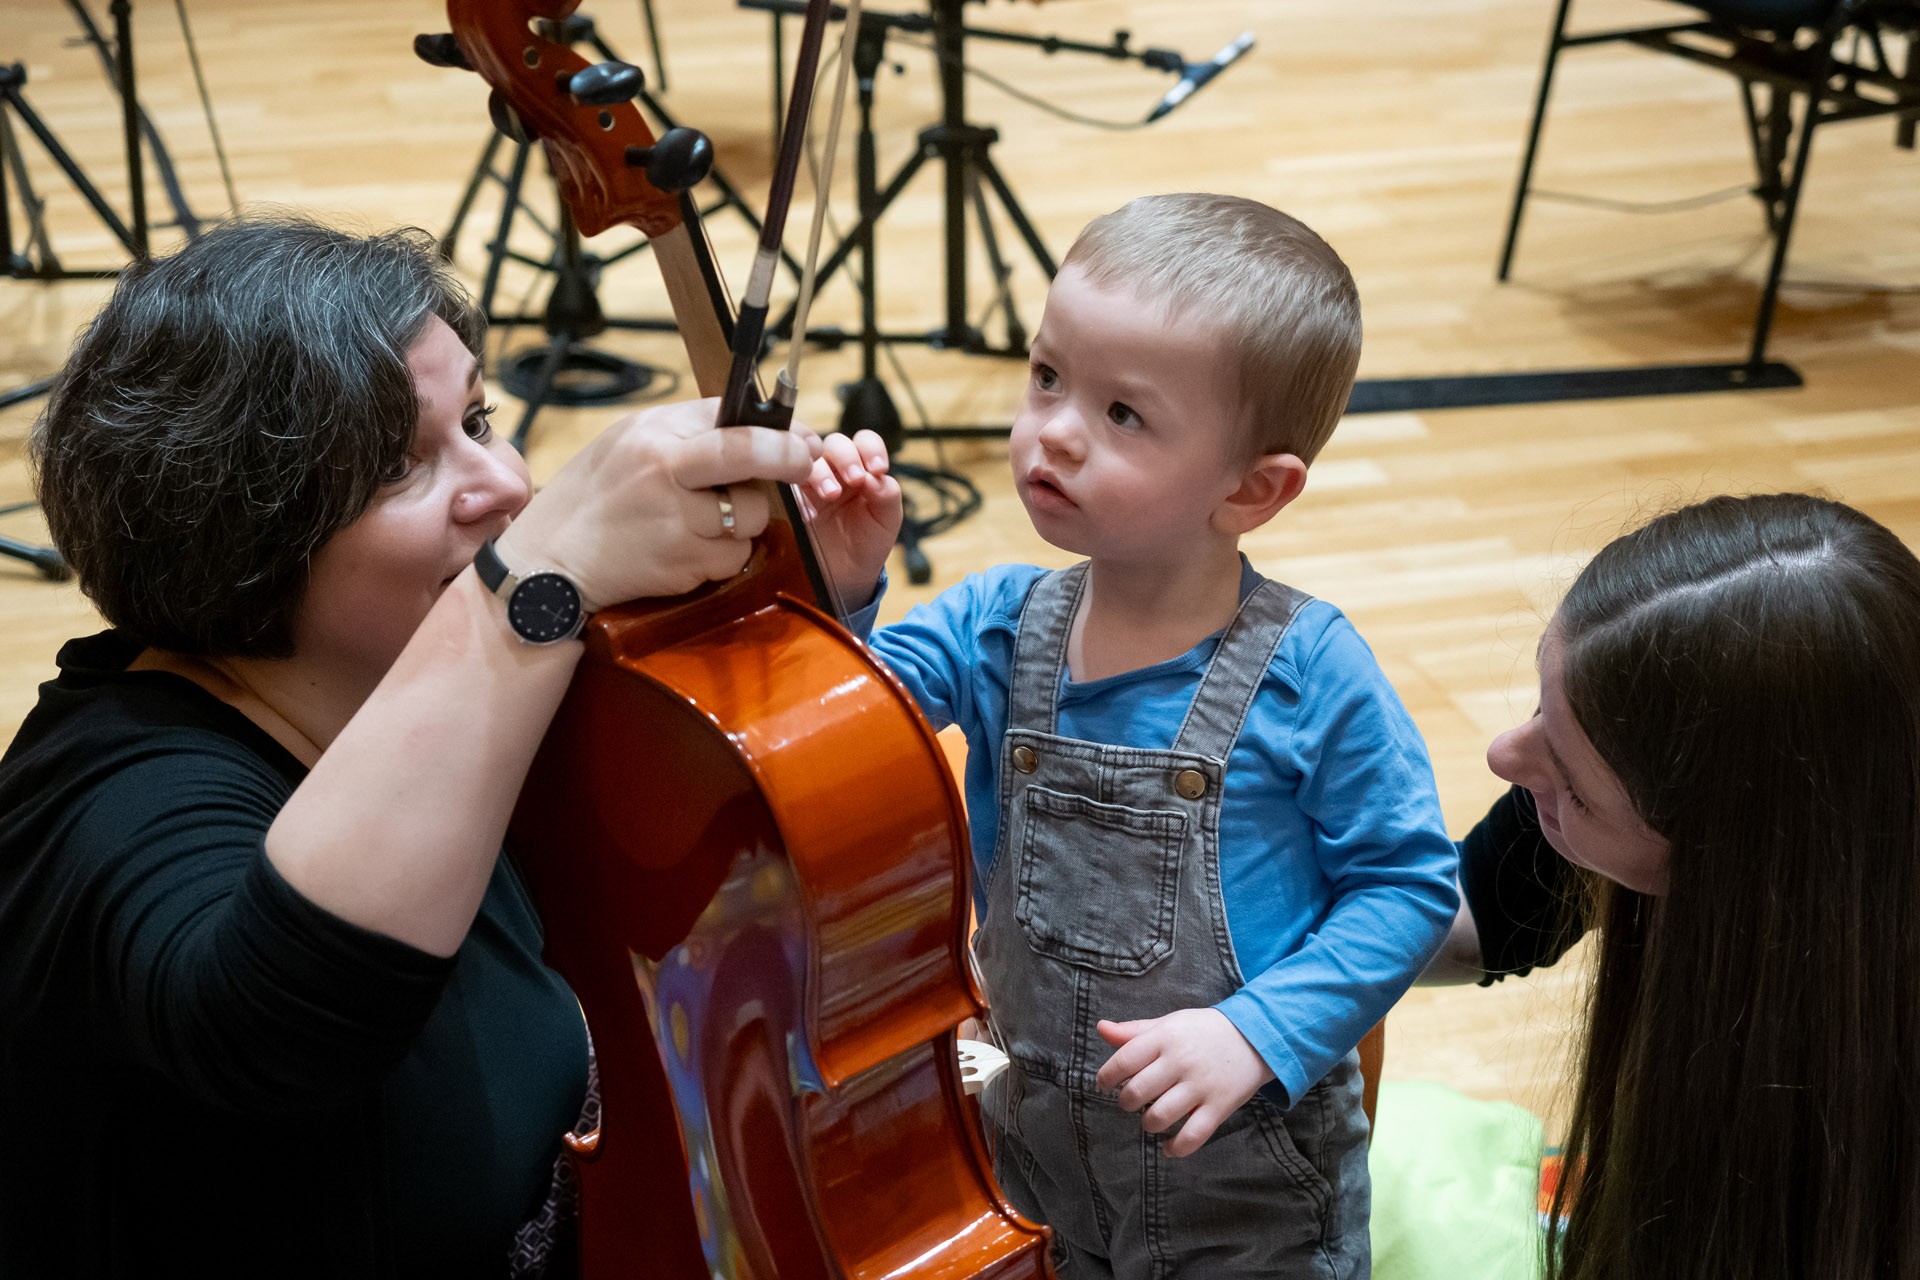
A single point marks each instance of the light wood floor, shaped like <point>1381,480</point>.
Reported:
<point>1393,127</point>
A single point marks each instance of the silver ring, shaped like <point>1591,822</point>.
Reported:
<point>727,521</point>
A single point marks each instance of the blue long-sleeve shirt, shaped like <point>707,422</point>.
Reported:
<point>1336,870</point>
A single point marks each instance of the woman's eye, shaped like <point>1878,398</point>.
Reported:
<point>1122,415</point>
<point>399,471</point>
<point>1573,798</point>
<point>479,423</point>
<point>1044,377</point>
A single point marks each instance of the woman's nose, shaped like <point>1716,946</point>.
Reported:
<point>497,483</point>
<point>1519,755</point>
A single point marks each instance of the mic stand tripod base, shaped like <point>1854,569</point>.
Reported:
<point>581,375</point>
<point>566,372</point>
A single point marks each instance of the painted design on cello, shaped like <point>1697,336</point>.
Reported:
<point>725,1006</point>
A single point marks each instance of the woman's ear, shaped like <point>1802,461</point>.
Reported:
<point>1268,485</point>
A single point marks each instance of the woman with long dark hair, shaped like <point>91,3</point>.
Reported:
<point>1729,734</point>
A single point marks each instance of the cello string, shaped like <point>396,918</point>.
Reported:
<point>789,377</point>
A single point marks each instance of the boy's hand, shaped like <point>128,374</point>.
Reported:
<point>1191,1064</point>
<point>853,508</point>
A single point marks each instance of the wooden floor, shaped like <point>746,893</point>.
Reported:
<point>1393,128</point>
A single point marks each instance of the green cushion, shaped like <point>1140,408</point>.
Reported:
<point>1455,1186</point>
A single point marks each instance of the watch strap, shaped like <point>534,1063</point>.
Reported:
<point>491,568</point>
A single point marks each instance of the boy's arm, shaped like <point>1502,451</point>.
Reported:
<point>1367,791</point>
<point>948,651</point>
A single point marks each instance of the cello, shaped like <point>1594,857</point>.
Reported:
<point>743,839</point>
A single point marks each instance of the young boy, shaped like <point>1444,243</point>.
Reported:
<point>1209,849</point>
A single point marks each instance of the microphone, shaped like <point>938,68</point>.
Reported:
<point>1195,74</point>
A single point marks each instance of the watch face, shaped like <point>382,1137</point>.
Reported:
<point>545,607</point>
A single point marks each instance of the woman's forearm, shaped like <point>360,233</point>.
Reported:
<point>1459,959</point>
<point>397,827</point>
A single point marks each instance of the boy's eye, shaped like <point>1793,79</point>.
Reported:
<point>479,423</point>
<point>1122,415</point>
<point>1044,377</point>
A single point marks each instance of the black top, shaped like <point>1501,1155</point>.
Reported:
<point>1526,900</point>
<point>203,1073</point>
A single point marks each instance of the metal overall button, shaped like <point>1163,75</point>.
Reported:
<point>1025,760</point>
<point>1191,784</point>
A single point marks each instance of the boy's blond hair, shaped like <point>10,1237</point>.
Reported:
<point>1279,297</point>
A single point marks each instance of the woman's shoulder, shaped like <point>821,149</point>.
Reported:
<point>107,754</point>
<point>96,712</point>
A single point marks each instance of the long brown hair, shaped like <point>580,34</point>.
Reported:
<point>1749,1100</point>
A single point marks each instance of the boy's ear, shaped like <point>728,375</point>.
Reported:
<point>1269,484</point>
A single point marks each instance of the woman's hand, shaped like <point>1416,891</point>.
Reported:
<point>1192,1064</point>
<point>640,511</point>
<point>853,510</point>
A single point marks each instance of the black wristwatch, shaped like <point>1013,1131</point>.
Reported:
<point>542,608</point>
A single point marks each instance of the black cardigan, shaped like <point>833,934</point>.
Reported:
<point>1526,900</point>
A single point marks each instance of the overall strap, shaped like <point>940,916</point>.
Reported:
<point>1239,664</point>
<point>1040,649</point>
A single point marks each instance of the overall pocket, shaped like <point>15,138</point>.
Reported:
<point>1098,883</point>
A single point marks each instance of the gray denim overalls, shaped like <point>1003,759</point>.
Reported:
<point>1104,901</point>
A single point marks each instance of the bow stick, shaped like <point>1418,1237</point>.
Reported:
<point>741,404</point>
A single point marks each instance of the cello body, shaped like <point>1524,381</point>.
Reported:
<point>751,860</point>
<point>745,846</point>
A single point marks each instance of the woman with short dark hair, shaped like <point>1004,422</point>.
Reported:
<point>186,512</point>
<point>270,1001</point>
<point>1729,738</point>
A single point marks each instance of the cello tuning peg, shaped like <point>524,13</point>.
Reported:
<point>605,83</point>
<point>507,120</point>
<point>572,30</point>
<point>677,162</point>
<point>441,51</point>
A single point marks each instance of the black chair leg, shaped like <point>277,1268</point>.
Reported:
<point>1554,44</point>
<point>1789,205</point>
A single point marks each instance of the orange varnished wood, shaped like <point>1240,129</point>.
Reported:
<point>585,145</point>
<point>587,150</point>
<point>751,857</point>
